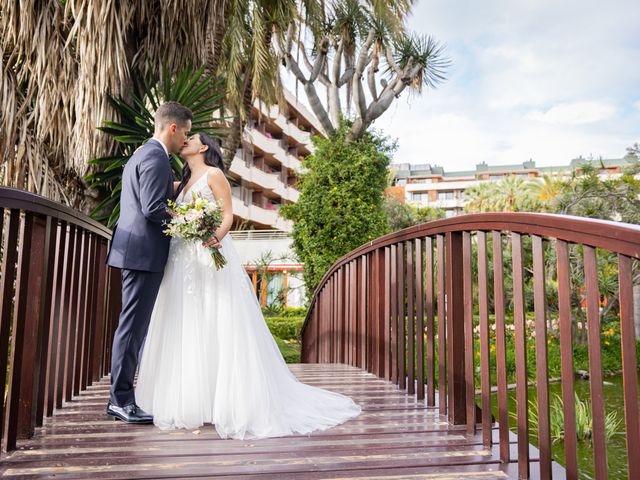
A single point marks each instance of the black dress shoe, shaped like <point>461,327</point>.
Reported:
<point>129,413</point>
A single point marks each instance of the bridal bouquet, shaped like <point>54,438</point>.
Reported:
<point>196,220</point>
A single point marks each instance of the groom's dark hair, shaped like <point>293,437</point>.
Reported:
<point>172,112</point>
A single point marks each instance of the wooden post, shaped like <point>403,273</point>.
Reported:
<point>455,329</point>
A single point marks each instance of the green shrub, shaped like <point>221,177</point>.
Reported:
<point>340,205</point>
<point>285,328</point>
<point>285,312</point>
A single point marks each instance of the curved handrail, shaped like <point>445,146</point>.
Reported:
<point>376,306</point>
<point>614,236</point>
<point>21,200</point>
<point>59,306</point>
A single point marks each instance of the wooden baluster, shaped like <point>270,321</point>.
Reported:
<point>386,326</point>
<point>410,320</point>
<point>468,333</point>
<point>374,313</point>
<point>521,356</point>
<point>456,387</point>
<point>542,376</point>
<point>354,311</point>
<point>483,306</point>
<point>72,322</point>
<point>369,312</point>
<point>99,302</point>
<point>402,373</point>
<point>89,313</point>
<point>595,362</point>
<point>54,336</point>
<point>501,346</point>
<point>20,416</point>
<point>362,334</point>
<point>9,259</point>
<point>81,322</point>
<point>347,312</point>
<point>566,358</point>
<point>394,314</point>
<point>442,333</point>
<point>431,342</point>
<point>335,342</point>
<point>65,312</point>
<point>340,330</point>
<point>629,365</point>
<point>46,295</point>
<point>111,318</point>
<point>419,320</point>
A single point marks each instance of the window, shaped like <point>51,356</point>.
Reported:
<point>449,213</point>
<point>420,197</point>
<point>422,180</point>
<point>447,195</point>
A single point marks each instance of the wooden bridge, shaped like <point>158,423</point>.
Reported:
<point>392,324</point>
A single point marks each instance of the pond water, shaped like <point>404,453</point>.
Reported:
<point>616,447</point>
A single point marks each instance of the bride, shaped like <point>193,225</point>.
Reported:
<point>208,355</point>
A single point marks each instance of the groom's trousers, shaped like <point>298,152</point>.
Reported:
<point>139,292</point>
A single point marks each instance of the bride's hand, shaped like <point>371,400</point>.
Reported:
<point>213,242</point>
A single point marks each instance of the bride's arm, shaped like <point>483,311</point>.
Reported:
<point>221,190</point>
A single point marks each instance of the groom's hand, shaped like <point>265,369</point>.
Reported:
<point>213,242</point>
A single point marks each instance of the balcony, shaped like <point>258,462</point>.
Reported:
<point>256,213</point>
<point>272,146</point>
<point>286,192</point>
<point>268,181</point>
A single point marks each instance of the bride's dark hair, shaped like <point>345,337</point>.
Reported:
<point>212,157</point>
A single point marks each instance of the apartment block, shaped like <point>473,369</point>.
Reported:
<point>265,170</point>
<point>432,186</point>
<point>263,177</point>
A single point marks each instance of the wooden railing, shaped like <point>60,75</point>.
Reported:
<point>430,277</point>
<point>58,311</point>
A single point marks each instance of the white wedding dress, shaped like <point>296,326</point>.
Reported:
<point>209,356</point>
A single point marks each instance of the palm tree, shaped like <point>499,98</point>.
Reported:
<point>251,62</point>
<point>357,40</point>
<point>545,189</point>
<point>480,198</point>
<point>53,93</point>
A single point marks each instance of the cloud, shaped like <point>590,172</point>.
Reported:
<point>530,79</point>
<point>576,113</point>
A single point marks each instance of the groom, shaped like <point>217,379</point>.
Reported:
<point>140,249</point>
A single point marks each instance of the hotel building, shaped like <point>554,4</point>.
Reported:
<point>265,170</point>
<point>431,186</point>
<point>263,177</point>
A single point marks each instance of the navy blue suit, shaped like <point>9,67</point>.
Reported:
<point>140,249</point>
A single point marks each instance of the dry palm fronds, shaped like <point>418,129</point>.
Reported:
<point>59,60</point>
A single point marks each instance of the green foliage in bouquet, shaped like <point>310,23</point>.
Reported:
<point>196,220</point>
<point>192,88</point>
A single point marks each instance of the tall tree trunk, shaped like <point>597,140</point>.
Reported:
<point>216,30</point>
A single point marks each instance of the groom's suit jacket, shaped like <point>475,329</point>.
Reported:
<point>147,183</point>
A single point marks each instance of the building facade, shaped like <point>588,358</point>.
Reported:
<point>432,186</point>
<point>265,170</point>
<point>263,177</point>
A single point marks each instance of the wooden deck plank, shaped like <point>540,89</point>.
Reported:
<point>395,437</point>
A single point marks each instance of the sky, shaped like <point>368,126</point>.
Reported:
<point>542,80</point>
